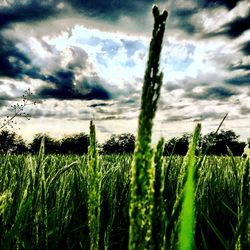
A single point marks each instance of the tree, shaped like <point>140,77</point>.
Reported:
<point>51,145</point>
<point>221,141</point>
<point>178,145</point>
<point>119,144</point>
<point>74,144</point>
<point>10,142</point>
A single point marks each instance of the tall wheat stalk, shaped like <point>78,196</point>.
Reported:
<point>94,190</point>
<point>141,201</point>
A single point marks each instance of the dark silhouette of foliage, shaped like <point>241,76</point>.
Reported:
<point>119,144</point>
<point>218,144</point>
<point>177,145</point>
<point>10,142</point>
<point>221,141</point>
<point>51,145</point>
<point>74,144</point>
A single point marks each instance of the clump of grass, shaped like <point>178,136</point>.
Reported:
<point>93,189</point>
<point>241,239</point>
<point>141,202</point>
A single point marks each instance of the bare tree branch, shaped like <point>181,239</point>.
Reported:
<point>18,110</point>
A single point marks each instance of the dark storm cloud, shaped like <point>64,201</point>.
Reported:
<point>115,8</point>
<point>243,80</point>
<point>185,24</point>
<point>245,48</point>
<point>13,62</point>
<point>35,10</point>
<point>181,19</point>
<point>212,93</point>
<point>182,15</point>
<point>63,87</point>
<point>60,84</point>
<point>62,79</point>
<point>110,10</point>
<point>229,4</point>
<point>28,11</point>
<point>16,64</point>
<point>242,66</point>
<point>235,28</point>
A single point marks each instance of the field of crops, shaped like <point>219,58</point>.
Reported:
<point>44,201</point>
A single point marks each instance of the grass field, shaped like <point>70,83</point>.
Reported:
<point>43,202</point>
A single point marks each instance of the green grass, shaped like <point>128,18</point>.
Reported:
<point>187,216</point>
<point>66,203</point>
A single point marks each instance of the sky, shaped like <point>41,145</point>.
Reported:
<point>85,60</point>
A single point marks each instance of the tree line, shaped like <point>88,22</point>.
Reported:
<point>212,144</point>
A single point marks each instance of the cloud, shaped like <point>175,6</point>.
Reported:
<point>195,117</point>
<point>102,104</point>
<point>242,60</point>
<point>111,10</point>
<point>244,110</point>
<point>181,19</point>
<point>212,93</point>
<point>192,16</point>
<point>188,83</point>
<point>2,103</point>
<point>78,58</point>
<point>13,62</point>
<point>242,80</point>
<point>245,48</point>
<point>3,99</point>
<point>28,11</point>
<point>62,86</point>
<point>233,29</point>
<point>64,77</point>
<point>242,66</point>
<point>229,4</point>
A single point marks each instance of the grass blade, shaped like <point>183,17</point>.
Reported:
<point>216,231</point>
<point>187,218</point>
